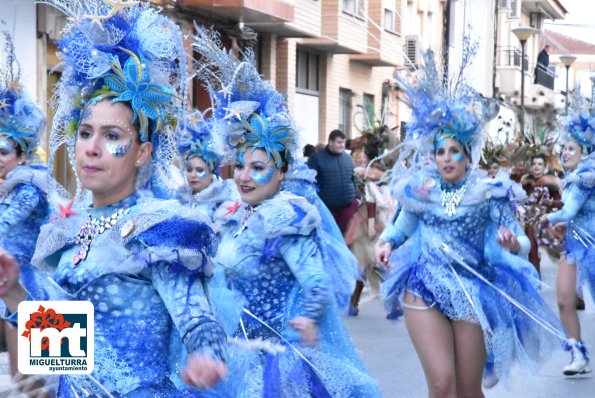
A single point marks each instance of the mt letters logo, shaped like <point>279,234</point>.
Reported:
<point>56,337</point>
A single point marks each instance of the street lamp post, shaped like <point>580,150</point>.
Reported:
<point>567,60</point>
<point>523,33</point>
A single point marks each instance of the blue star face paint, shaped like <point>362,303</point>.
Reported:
<point>6,148</point>
<point>200,172</point>
<point>118,151</point>
<point>458,157</point>
<point>265,177</point>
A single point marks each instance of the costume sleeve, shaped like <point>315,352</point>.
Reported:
<point>403,227</point>
<point>573,201</point>
<point>25,200</point>
<point>502,215</point>
<point>185,297</point>
<point>302,255</point>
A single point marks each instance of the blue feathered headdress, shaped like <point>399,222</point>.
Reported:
<point>125,51</point>
<point>21,119</point>
<point>246,110</point>
<point>195,140</point>
<point>445,110</point>
<point>580,126</point>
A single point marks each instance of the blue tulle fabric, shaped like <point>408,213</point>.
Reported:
<point>213,197</point>
<point>149,283</point>
<point>24,208</point>
<point>339,262</point>
<point>275,266</point>
<point>422,268</point>
<point>579,211</point>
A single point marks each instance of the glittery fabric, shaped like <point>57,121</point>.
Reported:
<point>212,197</point>
<point>24,208</point>
<point>579,211</point>
<point>275,264</point>
<point>149,284</point>
<point>421,267</point>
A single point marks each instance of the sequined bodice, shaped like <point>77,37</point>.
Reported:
<point>265,280</point>
<point>465,230</point>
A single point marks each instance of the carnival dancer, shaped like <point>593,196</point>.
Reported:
<point>142,262</point>
<point>543,191</point>
<point>24,205</point>
<point>374,213</point>
<point>200,151</point>
<point>272,253</point>
<point>456,247</point>
<point>493,159</point>
<point>576,271</point>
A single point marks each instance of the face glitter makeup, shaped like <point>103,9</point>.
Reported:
<point>459,157</point>
<point>118,151</point>
<point>6,148</point>
<point>200,172</point>
<point>264,178</point>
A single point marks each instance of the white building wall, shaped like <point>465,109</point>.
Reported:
<point>477,19</point>
<point>18,17</point>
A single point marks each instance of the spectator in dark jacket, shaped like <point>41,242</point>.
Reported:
<point>335,180</point>
<point>543,61</point>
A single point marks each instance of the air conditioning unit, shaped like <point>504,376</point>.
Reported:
<point>515,9</point>
<point>412,50</point>
<point>536,20</point>
<point>504,6</point>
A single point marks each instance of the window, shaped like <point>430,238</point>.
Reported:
<point>345,111</point>
<point>370,111</point>
<point>307,79</point>
<point>389,20</point>
<point>353,7</point>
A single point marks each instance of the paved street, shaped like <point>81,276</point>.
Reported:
<point>390,357</point>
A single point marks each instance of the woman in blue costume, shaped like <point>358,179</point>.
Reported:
<point>272,255</point>
<point>576,270</point>
<point>199,151</point>
<point>142,262</point>
<point>449,272</point>
<point>24,206</point>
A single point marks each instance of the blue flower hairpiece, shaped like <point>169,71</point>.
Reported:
<point>581,127</point>
<point>21,119</point>
<point>247,111</point>
<point>131,84</point>
<point>123,51</point>
<point>259,134</point>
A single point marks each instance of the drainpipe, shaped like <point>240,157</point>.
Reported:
<point>446,41</point>
<point>494,93</point>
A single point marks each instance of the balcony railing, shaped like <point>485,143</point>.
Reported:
<point>544,77</point>
<point>511,56</point>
